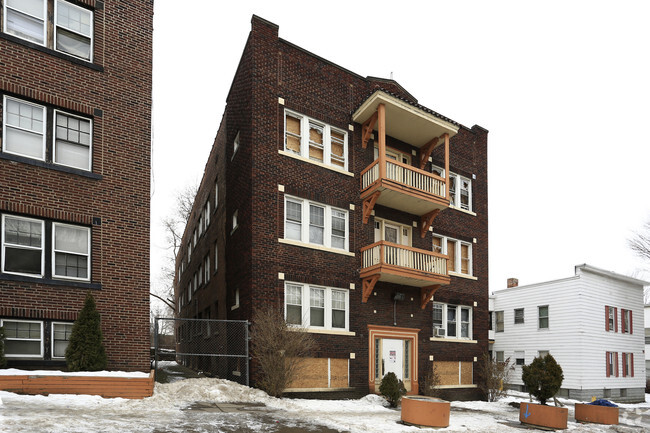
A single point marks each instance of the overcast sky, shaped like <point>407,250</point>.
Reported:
<point>562,86</point>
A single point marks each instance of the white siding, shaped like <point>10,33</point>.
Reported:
<point>576,336</point>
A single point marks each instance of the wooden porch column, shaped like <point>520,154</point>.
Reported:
<point>381,131</point>
<point>447,177</point>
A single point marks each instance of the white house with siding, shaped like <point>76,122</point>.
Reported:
<point>647,341</point>
<point>592,325</point>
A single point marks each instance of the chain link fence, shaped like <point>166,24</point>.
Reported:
<point>218,348</point>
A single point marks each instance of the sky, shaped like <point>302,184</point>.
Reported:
<point>562,86</point>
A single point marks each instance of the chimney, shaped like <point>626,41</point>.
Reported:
<point>513,282</point>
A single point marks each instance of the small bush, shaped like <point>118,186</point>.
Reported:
<point>392,389</point>
<point>85,351</point>
<point>495,377</point>
<point>3,360</point>
<point>277,349</point>
<point>431,382</point>
<point>543,378</point>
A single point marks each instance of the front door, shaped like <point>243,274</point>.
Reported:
<point>393,357</point>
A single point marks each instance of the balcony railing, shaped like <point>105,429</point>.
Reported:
<point>405,265</point>
<point>407,175</point>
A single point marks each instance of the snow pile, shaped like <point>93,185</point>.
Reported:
<point>16,372</point>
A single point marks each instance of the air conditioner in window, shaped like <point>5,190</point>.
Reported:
<point>438,332</point>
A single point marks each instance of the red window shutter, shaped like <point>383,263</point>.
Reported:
<point>630,330</point>
<point>607,373</point>
<point>616,361</point>
<point>615,319</point>
<point>631,355</point>
<point>606,318</point>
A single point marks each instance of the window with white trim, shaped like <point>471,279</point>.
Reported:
<point>314,223</point>
<point>71,252</point>
<point>60,338</point>
<point>22,246</point>
<point>452,321</point>
<point>26,126</point>
<point>316,307</point>
<point>460,189</point>
<point>206,268</point>
<point>23,338</point>
<point>459,252</point>
<point>71,30</point>
<point>543,316</point>
<point>315,140</point>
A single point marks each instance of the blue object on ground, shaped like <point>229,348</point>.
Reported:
<point>603,402</point>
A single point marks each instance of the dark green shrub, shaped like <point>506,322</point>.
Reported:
<point>392,388</point>
<point>85,351</point>
<point>3,360</point>
<point>543,378</point>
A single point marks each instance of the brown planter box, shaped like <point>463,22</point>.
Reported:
<point>596,414</point>
<point>105,386</point>
<point>543,416</point>
<point>425,411</point>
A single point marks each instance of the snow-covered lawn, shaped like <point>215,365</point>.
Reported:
<point>169,410</point>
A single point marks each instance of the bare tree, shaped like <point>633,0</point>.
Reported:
<point>640,244</point>
<point>496,377</point>
<point>174,224</point>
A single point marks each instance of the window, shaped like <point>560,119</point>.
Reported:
<point>71,33</point>
<point>519,357</point>
<point>611,364</point>
<point>519,316</point>
<point>23,338</point>
<point>216,194</point>
<point>22,246</point>
<point>234,307</point>
<point>628,364</point>
<point>459,253</point>
<point>316,306</point>
<point>460,189</point>
<point>454,321</point>
<point>626,321</point>
<point>235,145</point>
<point>71,251</point>
<point>542,353</point>
<point>26,19</point>
<point>206,268</point>
<point>200,274</point>
<point>235,224</point>
<point>25,128</point>
<point>73,30</point>
<point>500,356</point>
<point>216,258</point>
<point>500,321</point>
<point>315,223</point>
<point>60,338</point>
<point>315,140</point>
<point>543,316</point>
<point>611,319</point>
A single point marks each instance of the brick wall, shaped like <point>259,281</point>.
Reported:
<point>113,199</point>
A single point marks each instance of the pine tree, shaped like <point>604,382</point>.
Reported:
<point>543,377</point>
<point>85,351</point>
<point>3,360</point>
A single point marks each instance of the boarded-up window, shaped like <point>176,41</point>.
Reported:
<point>437,244</point>
<point>292,136</point>
<point>454,373</point>
<point>464,258</point>
<point>315,142</point>
<point>338,146</point>
<point>321,373</point>
<point>451,252</point>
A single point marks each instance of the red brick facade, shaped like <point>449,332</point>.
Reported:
<point>113,91</point>
<point>273,76</point>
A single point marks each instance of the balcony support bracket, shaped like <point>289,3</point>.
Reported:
<point>368,286</point>
<point>426,293</point>
<point>367,128</point>
<point>426,150</point>
<point>369,204</point>
<point>426,222</point>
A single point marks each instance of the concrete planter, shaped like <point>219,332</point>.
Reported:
<point>425,411</point>
<point>543,416</point>
<point>596,414</point>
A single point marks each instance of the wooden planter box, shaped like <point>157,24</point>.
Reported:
<point>543,416</point>
<point>596,414</point>
<point>425,411</point>
<point>105,386</point>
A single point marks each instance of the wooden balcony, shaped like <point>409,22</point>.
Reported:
<point>404,187</point>
<point>399,264</point>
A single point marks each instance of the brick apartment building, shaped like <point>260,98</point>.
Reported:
<point>343,201</point>
<point>75,85</point>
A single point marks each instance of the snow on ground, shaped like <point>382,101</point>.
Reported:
<point>169,410</point>
<point>16,372</point>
